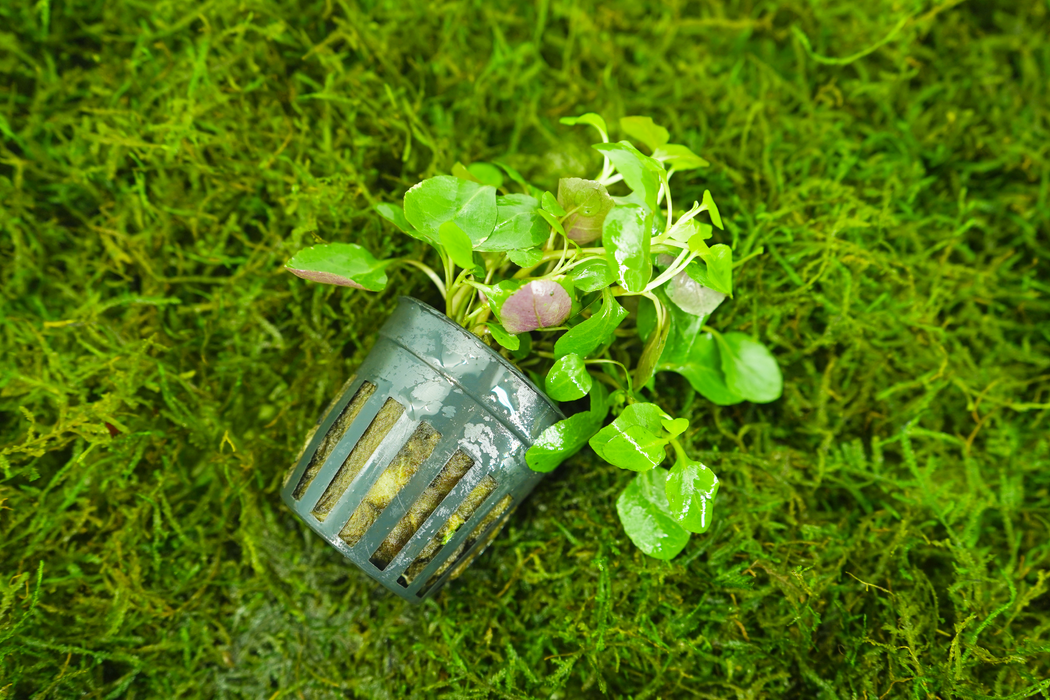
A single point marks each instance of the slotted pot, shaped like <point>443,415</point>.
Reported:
<point>416,465</point>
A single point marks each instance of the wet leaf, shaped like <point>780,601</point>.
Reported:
<point>511,342</point>
<point>646,516</point>
<point>635,440</point>
<point>568,379</point>
<point>565,438</point>
<point>591,334</point>
<point>551,204</point>
<point>592,275</point>
<point>626,237</point>
<point>691,490</point>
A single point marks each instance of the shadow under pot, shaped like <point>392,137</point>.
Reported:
<point>416,465</point>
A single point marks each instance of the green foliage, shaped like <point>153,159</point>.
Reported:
<point>882,529</point>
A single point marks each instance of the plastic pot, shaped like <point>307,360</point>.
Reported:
<point>414,468</point>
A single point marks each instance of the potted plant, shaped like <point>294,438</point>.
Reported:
<point>441,433</point>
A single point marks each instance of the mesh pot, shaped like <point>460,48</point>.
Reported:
<point>417,464</point>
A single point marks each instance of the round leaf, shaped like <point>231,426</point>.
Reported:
<point>344,264</point>
<point>568,379</point>
<point>589,203</point>
<point>750,369</point>
<point>439,199</point>
<point>538,304</point>
<point>691,490</point>
<point>646,516</point>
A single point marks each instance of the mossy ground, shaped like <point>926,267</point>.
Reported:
<point>883,530</point>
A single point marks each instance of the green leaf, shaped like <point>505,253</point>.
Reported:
<point>709,205</point>
<point>719,259</point>
<point>641,173</point>
<point>698,241</point>
<point>691,490</point>
<point>516,177</point>
<point>695,356</point>
<point>457,244</point>
<point>675,427</point>
<point>634,440</point>
<point>529,257</point>
<point>627,237</point>
<point>592,275</point>
<point>497,294</point>
<point>568,379</point>
<point>552,220</point>
<point>460,171</point>
<point>679,157</point>
<point>444,198</point>
<point>396,215</point>
<point>702,368</point>
<point>586,337</point>
<point>567,437</point>
<point>750,369</point>
<point>518,225</point>
<point>486,174</point>
<point>589,203</point>
<point>511,342</point>
<point>646,516</point>
<point>524,346</point>
<point>654,348</point>
<point>643,130</point>
<point>343,264</point>
<point>590,118</point>
<point>551,204</point>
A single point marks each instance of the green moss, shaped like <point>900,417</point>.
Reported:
<point>882,530</point>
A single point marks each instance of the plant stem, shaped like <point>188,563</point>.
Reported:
<point>429,271</point>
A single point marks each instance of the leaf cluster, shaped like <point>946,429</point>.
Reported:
<point>549,279</point>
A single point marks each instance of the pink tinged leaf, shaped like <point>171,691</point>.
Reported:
<point>693,297</point>
<point>539,304</point>
<point>327,278</point>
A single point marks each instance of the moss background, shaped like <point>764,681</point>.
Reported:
<point>883,530</point>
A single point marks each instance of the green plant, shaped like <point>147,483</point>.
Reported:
<point>543,277</point>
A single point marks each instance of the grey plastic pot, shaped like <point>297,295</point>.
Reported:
<point>417,464</point>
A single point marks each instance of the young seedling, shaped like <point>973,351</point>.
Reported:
<point>544,277</point>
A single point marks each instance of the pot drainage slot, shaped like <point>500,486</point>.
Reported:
<point>377,430</point>
<point>454,470</point>
<point>467,508</point>
<point>386,488</point>
<point>493,515</point>
<point>333,436</point>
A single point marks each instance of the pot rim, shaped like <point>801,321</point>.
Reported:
<point>423,306</point>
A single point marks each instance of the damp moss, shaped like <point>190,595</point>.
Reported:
<point>883,530</point>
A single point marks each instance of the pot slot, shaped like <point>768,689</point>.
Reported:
<point>386,488</point>
<point>375,434</point>
<point>493,515</point>
<point>467,508</point>
<point>454,470</point>
<point>333,436</point>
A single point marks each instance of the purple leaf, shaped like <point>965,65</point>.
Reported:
<point>588,203</point>
<point>539,304</point>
